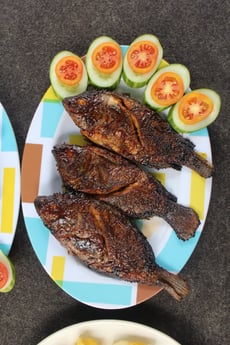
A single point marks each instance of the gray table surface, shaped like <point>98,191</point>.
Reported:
<point>195,33</point>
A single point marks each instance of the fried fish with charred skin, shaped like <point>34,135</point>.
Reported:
<point>105,240</point>
<point>94,170</point>
<point>115,180</point>
<point>133,130</point>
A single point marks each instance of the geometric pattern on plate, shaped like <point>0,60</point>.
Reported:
<point>9,182</point>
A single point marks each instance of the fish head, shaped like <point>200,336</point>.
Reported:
<point>83,102</point>
<point>85,108</point>
<point>75,103</point>
<point>48,207</point>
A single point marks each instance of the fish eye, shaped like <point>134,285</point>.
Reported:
<point>81,102</point>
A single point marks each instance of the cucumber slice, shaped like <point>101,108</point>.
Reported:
<point>213,99</point>
<point>178,82</point>
<point>7,273</point>
<point>61,89</point>
<point>96,77</point>
<point>135,79</point>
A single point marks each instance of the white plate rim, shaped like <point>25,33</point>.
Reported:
<point>109,330</point>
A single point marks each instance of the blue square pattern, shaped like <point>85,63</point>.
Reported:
<point>99,293</point>
<point>176,252</point>
<point>9,143</point>
<point>39,237</point>
<point>51,115</point>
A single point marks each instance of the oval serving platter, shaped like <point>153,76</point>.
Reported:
<point>51,125</point>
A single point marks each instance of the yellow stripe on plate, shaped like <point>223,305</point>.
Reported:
<point>160,177</point>
<point>163,63</point>
<point>77,139</point>
<point>50,95</point>
<point>58,267</point>
<point>197,193</point>
<point>8,200</point>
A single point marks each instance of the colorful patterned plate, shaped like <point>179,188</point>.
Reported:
<point>51,125</point>
<point>108,332</point>
<point>9,182</point>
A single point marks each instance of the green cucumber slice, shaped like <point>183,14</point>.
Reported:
<point>5,264</point>
<point>176,122</point>
<point>178,69</point>
<point>60,89</point>
<point>96,78</point>
<point>136,80</point>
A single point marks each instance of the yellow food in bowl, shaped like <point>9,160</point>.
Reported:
<point>87,341</point>
<point>93,341</point>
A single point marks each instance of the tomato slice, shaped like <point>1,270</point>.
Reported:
<point>107,57</point>
<point>69,70</point>
<point>4,275</point>
<point>142,56</point>
<point>195,107</point>
<point>167,89</point>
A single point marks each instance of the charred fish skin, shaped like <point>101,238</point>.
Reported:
<point>105,240</point>
<point>124,125</point>
<point>144,201</point>
<point>115,180</point>
<point>94,170</point>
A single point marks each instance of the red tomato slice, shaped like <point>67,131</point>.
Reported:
<point>195,107</point>
<point>69,70</point>
<point>142,56</point>
<point>167,89</point>
<point>106,57</point>
<point>4,275</point>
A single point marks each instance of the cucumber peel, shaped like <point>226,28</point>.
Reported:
<point>59,88</point>
<point>138,80</point>
<point>178,70</point>
<point>6,267</point>
<point>97,78</point>
<point>175,120</point>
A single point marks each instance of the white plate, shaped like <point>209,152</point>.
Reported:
<point>107,332</point>
<point>9,182</point>
<point>52,125</point>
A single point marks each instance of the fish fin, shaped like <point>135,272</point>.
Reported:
<point>176,286</point>
<point>199,164</point>
<point>183,220</point>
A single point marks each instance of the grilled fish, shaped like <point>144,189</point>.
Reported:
<point>105,240</point>
<point>94,170</point>
<point>124,125</point>
<point>115,180</point>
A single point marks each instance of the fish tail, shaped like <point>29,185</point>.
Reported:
<point>176,286</point>
<point>198,163</point>
<point>183,220</point>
